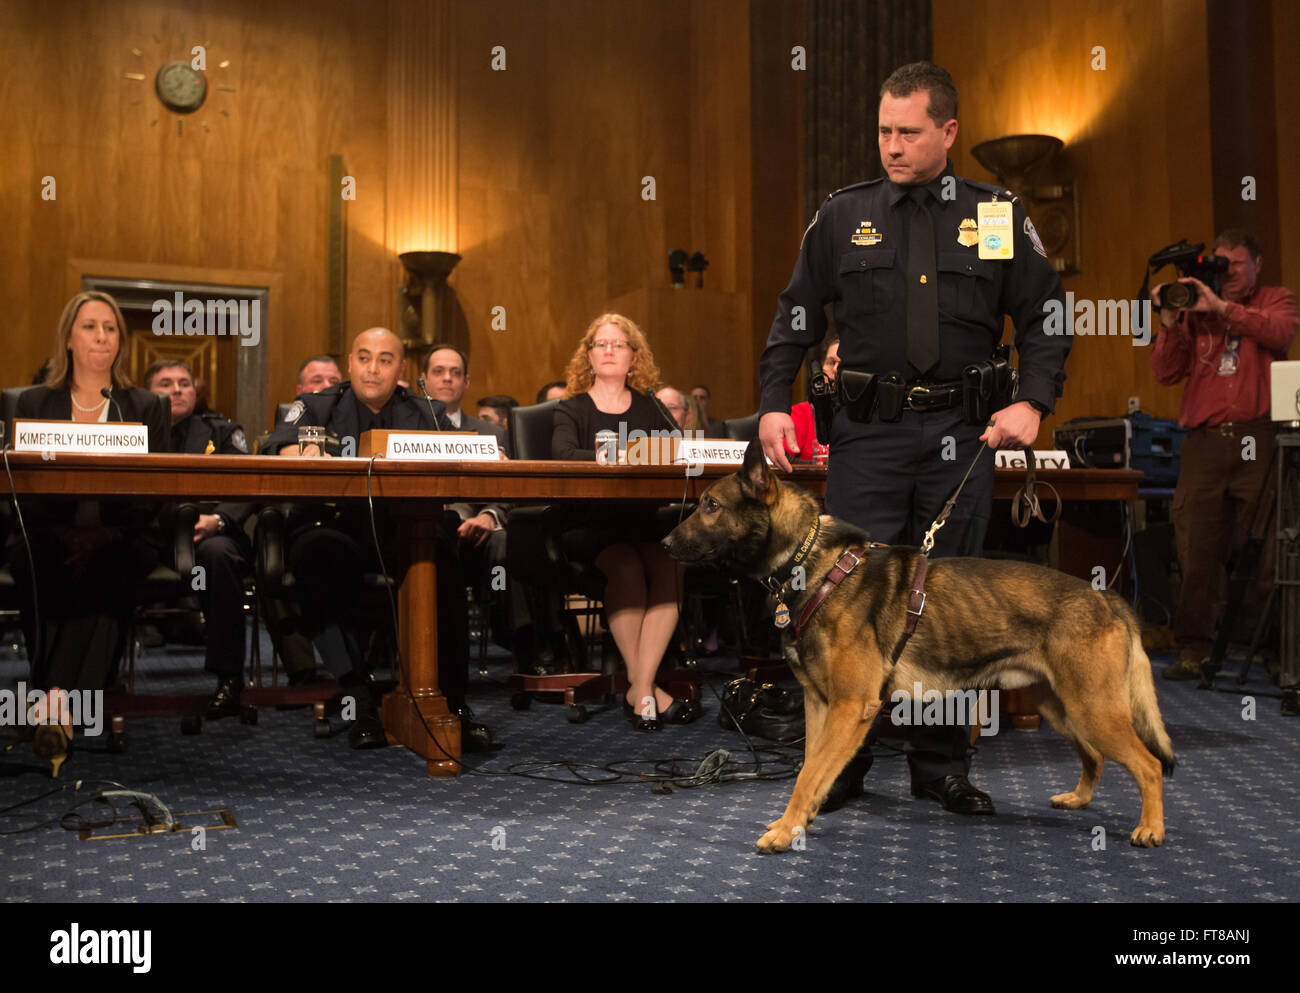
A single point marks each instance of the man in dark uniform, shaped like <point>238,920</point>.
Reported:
<point>920,267</point>
<point>331,548</point>
<point>221,547</point>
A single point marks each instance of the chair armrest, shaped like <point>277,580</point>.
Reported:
<point>269,545</point>
<point>181,536</point>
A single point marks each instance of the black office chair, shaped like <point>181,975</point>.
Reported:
<point>742,428</point>
<point>9,410</point>
<point>530,430</point>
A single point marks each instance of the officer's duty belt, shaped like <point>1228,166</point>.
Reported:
<point>932,396</point>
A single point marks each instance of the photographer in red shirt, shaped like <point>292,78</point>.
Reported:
<point>1222,345</point>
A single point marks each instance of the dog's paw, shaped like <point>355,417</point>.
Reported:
<point>1146,836</point>
<point>777,839</point>
<point>1069,801</point>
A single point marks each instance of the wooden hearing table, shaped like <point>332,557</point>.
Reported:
<point>417,491</point>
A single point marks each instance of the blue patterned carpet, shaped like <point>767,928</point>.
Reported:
<point>320,822</point>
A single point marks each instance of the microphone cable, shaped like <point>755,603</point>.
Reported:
<point>31,562</point>
<point>708,770</point>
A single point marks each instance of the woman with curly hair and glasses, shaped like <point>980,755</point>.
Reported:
<point>608,386</point>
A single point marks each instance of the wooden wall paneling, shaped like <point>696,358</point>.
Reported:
<point>1286,81</point>
<point>775,216</point>
<point>1135,137</point>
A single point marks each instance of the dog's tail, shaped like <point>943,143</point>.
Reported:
<point>1147,722</point>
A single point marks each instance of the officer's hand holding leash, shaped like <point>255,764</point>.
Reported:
<point>1015,426</point>
<point>774,428</point>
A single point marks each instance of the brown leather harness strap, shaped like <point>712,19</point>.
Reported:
<point>915,603</point>
<point>844,565</point>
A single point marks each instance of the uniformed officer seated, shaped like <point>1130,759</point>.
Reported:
<point>221,547</point>
<point>330,548</point>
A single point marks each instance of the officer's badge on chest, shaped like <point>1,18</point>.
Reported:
<point>968,233</point>
<point>866,235</point>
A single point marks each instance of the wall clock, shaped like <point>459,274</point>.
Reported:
<point>180,87</point>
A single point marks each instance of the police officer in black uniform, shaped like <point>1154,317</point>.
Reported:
<point>221,546</point>
<point>920,268</point>
<point>330,548</point>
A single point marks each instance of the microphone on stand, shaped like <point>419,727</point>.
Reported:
<point>107,394</point>
<point>428,399</point>
<point>668,419</point>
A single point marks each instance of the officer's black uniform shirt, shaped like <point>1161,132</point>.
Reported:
<point>208,433</point>
<point>344,417</point>
<point>854,256</point>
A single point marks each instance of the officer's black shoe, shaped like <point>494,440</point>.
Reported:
<point>367,731</point>
<point>956,794</point>
<point>225,702</point>
<point>848,784</point>
<point>475,736</point>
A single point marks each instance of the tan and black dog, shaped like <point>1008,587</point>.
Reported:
<point>984,624</point>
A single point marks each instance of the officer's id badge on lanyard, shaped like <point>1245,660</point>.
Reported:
<point>1229,360</point>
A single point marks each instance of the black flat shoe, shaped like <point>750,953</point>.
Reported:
<point>225,702</point>
<point>682,712</point>
<point>848,784</point>
<point>637,721</point>
<point>956,793</point>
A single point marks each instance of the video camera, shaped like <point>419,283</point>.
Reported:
<point>1189,260</point>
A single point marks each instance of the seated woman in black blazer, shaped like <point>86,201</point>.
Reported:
<point>88,556</point>
<point>607,383</point>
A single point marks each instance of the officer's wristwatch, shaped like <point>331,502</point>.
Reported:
<point>1042,411</point>
<point>221,524</point>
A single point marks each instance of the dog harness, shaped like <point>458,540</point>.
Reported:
<point>844,565</point>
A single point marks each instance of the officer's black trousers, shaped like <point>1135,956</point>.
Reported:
<point>226,563</point>
<point>329,566</point>
<point>892,480</point>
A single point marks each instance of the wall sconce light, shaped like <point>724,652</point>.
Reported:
<point>424,301</point>
<point>697,264</point>
<point>1032,167</point>
<point>677,267</point>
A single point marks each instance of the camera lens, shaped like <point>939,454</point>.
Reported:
<point>1177,295</point>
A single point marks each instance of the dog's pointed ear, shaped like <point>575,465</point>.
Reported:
<point>756,478</point>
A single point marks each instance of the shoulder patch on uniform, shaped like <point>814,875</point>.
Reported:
<point>238,440</point>
<point>295,411</point>
<point>1033,236</point>
<point>854,186</point>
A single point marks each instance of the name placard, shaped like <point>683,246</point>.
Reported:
<point>1011,458</point>
<point>713,451</point>
<point>429,446</point>
<point>69,437</point>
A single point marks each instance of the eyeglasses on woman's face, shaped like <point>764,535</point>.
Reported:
<point>610,345</point>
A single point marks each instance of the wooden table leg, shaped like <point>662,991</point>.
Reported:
<point>418,623</point>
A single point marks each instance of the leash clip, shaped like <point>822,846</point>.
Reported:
<point>927,543</point>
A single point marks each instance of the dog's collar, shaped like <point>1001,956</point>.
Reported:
<point>775,585</point>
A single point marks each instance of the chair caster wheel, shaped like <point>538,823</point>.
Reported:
<point>248,715</point>
<point>577,714</point>
<point>520,700</point>
<point>116,743</point>
<point>191,724</point>
<point>322,729</point>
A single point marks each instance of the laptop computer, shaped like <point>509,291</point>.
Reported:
<point>1286,391</point>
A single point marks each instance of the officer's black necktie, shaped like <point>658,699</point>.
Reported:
<point>922,287</point>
